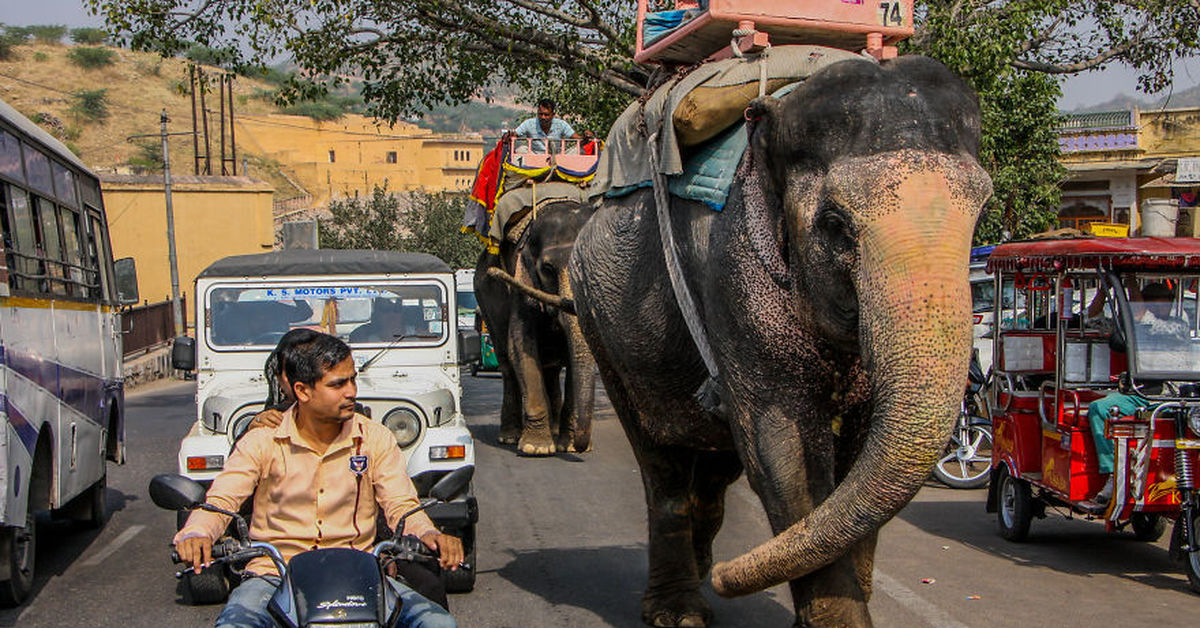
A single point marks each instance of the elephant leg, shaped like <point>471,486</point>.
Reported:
<point>834,595</point>
<point>535,439</point>
<point>510,407</point>
<point>554,400</point>
<point>715,471</point>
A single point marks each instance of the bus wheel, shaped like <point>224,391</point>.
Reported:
<point>17,550</point>
<point>1014,511</point>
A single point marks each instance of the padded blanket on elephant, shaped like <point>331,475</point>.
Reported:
<point>514,204</point>
<point>705,103</point>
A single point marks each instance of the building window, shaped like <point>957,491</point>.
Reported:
<point>391,157</point>
<point>332,157</point>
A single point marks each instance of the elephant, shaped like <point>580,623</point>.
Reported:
<point>832,291</point>
<point>535,341</point>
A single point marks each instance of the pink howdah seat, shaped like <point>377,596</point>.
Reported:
<point>708,26</point>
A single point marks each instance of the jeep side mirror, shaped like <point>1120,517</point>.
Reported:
<point>125,271</point>
<point>183,353</point>
<point>469,349</point>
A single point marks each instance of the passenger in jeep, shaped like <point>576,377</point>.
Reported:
<point>338,468</point>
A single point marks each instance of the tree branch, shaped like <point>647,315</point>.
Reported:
<point>1071,68</point>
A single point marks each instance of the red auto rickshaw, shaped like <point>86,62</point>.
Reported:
<point>1108,325</point>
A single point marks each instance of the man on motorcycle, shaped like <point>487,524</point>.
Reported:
<point>315,480</point>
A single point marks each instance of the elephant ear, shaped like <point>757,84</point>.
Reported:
<point>761,191</point>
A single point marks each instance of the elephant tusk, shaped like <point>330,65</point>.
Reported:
<point>553,300</point>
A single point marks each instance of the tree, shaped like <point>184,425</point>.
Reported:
<point>90,58</point>
<point>418,222</point>
<point>432,226</point>
<point>357,223</point>
<point>414,54</point>
<point>89,36</point>
<point>48,33</point>
<point>90,104</point>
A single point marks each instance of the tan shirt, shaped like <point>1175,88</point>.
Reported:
<point>304,500</point>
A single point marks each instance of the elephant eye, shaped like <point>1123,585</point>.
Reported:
<point>833,221</point>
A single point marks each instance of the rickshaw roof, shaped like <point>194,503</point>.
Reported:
<point>325,262</point>
<point>1098,252</point>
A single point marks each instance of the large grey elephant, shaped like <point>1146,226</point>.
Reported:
<point>536,342</point>
<point>832,290</point>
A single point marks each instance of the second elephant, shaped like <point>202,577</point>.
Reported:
<point>535,341</point>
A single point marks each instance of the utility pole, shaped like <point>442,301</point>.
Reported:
<point>171,258</point>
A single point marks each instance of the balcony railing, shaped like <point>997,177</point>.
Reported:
<point>1096,132</point>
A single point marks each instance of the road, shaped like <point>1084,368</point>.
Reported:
<point>562,542</point>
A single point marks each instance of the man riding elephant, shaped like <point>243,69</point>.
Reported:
<point>831,297</point>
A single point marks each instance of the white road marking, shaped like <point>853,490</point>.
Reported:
<point>113,545</point>
<point>918,605</point>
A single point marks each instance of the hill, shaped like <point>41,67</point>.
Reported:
<point>1185,98</point>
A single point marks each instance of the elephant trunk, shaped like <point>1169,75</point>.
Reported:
<point>581,374</point>
<point>915,337</point>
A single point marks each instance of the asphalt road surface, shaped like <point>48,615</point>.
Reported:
<point>562,543</point>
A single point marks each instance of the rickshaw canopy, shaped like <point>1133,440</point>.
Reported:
<point>1091,253</point>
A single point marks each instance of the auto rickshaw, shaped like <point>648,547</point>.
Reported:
<point>1085,333</point>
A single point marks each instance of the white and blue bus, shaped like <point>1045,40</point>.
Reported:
<point>61,390</point>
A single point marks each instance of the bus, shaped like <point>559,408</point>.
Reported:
<point>61,388</point>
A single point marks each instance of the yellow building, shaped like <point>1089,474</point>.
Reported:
<point>352,155</point>
<point>214,217</point>
<point>1122,162</point>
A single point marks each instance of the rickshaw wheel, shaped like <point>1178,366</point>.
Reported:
<point>1014,511</point>
<point>1148,526</point>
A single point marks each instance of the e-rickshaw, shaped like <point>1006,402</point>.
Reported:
<point>1107,324</point>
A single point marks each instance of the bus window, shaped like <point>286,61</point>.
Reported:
<point>24,242</point>
<point>98,245</point>
<point>51,246</point>
<point>74,255</point>
<point>37,167</point>
<point>10,157</point>
<point>64,185</point>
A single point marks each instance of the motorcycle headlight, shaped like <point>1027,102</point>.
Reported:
<point>404,424</point>
<point>1194,420</point>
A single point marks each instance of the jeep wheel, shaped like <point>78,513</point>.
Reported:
<point>462,580</point>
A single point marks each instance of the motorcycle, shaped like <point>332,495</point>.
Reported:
<point>967,459</point>
<point>307,595</point>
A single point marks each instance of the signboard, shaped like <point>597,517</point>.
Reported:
<point>1188,170</point>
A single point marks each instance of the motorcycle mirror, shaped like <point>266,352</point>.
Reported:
<point>452,484</point>
<point>171,491</point>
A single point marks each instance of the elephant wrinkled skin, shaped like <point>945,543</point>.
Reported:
<point>535,342</point>
<point>833,291</point>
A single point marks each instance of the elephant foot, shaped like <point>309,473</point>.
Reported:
<point>508,437</point>
<point>536,445</point>
<point>684,610</point>
<point>564,444</point>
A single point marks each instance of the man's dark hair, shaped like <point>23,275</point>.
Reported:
<point>547,103</point>
<point>308,362</point>
<point>276,395</point>
<point>1157,292</point>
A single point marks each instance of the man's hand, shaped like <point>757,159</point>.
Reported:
<point>449,548</point>
<point>197,550</point>
<point>588,135</point>
<point>267,418</point>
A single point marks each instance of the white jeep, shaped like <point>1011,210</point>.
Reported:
<point>396,311</point>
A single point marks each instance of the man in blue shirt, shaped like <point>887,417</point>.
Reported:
<point>546,126</point>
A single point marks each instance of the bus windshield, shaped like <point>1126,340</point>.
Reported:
<point>363,315</point>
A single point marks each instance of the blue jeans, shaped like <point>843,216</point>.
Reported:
<point>247,607</point>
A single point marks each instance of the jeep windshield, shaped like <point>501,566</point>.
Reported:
<point>363,314</point>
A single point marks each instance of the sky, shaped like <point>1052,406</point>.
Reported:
<point>1092,88</point>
